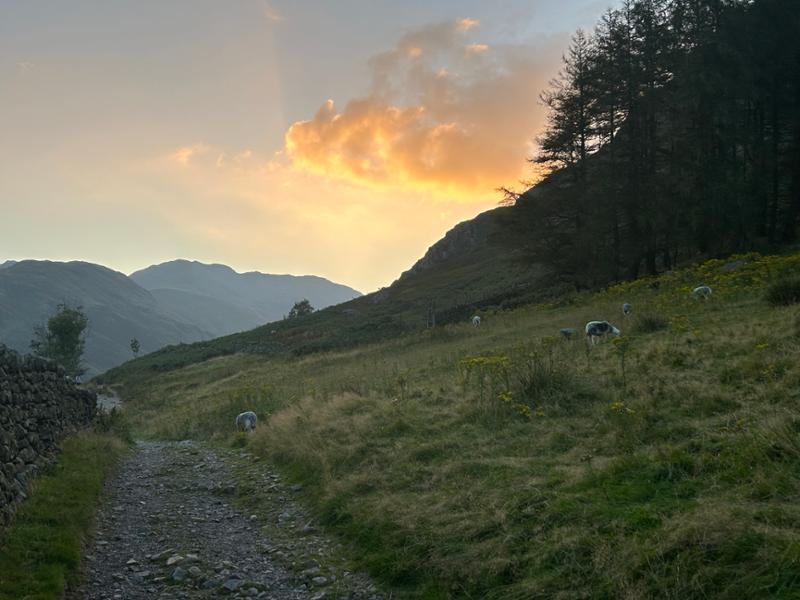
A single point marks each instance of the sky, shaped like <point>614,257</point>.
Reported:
<point>338,139</point>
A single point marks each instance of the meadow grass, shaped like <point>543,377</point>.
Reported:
<point>503,462</point>
<point>40,552</point>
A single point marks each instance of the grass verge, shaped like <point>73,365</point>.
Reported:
<point>40,552</point>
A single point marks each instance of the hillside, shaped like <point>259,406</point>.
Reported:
<point>200,303</point>
<point>117,308</point>
<point>505,462</point>
<point>223,301</point>
<point>481,264</point>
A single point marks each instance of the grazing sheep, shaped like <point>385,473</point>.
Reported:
<point>627,309</point>
<point>595,330</point>
<point>476,321</point>
<point>246,421</point>
<point>702,291</point>
<point>568,332</point>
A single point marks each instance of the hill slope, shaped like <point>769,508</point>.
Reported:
<point>117,308</point>
<point>504,462</point>
<point>481,264</point>
<point>205,295</point>
<point>189,302</point>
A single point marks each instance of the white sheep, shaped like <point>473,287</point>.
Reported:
<point>476,321</point>
<point>246,421</point>
<point>702,291</point>
<point>596,330</point>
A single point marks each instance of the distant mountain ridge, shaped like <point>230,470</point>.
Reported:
<point>253,298</point>
<point>204,302</point>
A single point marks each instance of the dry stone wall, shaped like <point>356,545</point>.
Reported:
<point>38,406</point>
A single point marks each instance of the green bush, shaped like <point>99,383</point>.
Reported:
<point>784,292</point>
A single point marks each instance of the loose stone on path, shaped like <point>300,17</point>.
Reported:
<point>168,529</point>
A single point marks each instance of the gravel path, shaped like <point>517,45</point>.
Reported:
<point>170,526</point>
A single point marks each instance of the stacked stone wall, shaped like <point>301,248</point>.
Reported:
<point>38,407</point>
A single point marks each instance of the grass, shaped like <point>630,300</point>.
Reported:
<point>501,462</point>
<point>40,552</point>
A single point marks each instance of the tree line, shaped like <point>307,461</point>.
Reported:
<point>673,131</point>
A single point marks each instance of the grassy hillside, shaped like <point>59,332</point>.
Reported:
<point>504,462</point>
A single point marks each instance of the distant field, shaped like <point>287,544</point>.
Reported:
<point>505,462</point>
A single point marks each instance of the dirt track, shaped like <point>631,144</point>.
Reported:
<point>169,527</point>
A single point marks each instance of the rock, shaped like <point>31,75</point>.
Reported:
<point>179,574</point>
<point>195,572</point>
<point>162,554</point>
<point>319,581</point>
<point>232,585</point>
<point>174,560</point>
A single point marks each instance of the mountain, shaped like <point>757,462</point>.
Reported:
<point>480,265</point>
<point>118,309</point>
<point>188,302</point>
<point>223,301</point>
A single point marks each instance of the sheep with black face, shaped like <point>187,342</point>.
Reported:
<point>598,330</point>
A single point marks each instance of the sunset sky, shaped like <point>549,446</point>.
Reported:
<point>336,138</point>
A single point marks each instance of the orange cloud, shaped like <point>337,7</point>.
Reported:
<point>435,119</point>
<point>466,24</point>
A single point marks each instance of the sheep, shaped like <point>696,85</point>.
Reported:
<point>702,291</point>
<point>246,421</point>
<point>476,321</point>
<point>595,330</point>
<point>568,332</point>
<point>627,309</point>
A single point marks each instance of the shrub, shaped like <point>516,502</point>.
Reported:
<point>784,292</point>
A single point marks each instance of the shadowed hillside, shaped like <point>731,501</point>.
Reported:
<point>223,301</point>
<point>201,302</point>
<point>482,264</point>
<point>117,308</point>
